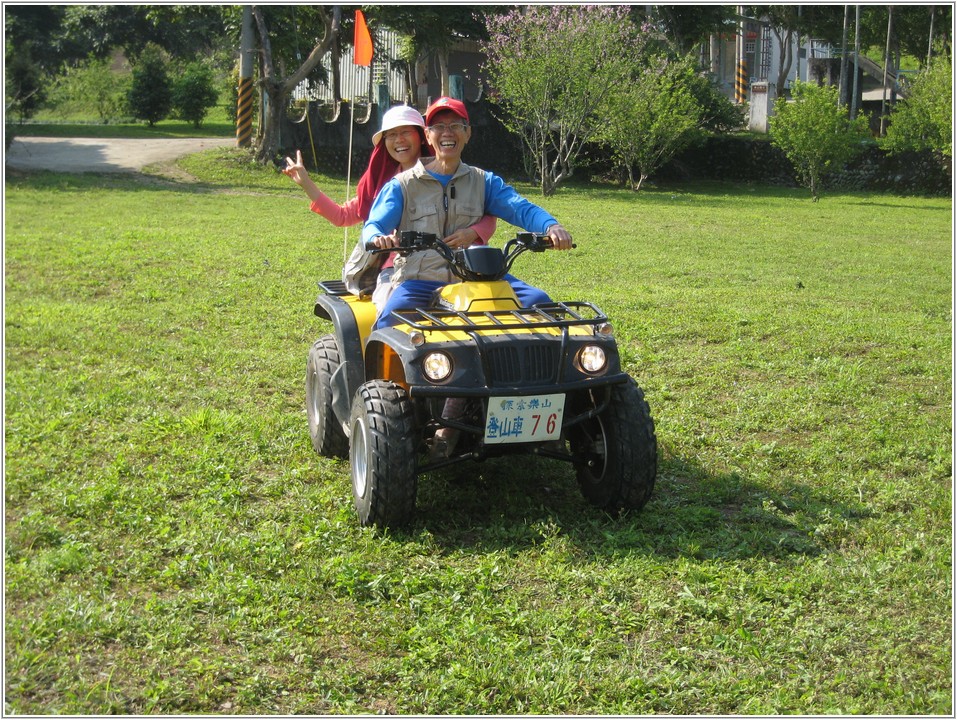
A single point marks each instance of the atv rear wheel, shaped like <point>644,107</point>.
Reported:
<point>620,451</point>
<point>382,445</point>
<point>328,437</point>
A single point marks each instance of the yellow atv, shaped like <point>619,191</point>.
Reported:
<point>545,380</point>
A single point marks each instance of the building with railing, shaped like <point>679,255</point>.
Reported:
<point>761,50</point>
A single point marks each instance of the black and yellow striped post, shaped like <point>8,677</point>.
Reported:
<point>244,105</point>
<point>244,113</point>
<point>741,82</point>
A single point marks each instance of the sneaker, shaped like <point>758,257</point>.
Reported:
<point>443,444</point>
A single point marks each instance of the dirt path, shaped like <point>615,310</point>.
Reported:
<point>102,155</point>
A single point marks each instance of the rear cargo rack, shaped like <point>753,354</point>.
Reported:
<point>543,315</point>
<point>334,287</point>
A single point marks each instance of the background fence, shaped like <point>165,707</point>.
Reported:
<point>358,82</point>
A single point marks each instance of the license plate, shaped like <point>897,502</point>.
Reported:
<point>524,418</point>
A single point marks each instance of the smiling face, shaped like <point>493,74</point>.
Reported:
<point>404,144</point>
<point>447,143</point>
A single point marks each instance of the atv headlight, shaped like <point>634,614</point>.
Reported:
<point>592,360</point>
<point>437,366</point>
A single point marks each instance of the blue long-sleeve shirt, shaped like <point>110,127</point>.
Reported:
<point>501,200</point>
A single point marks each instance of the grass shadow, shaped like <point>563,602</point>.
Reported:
<point>514,504</point>
<point>879,206</point>
<point>160,177</point>
<point>163,129</point>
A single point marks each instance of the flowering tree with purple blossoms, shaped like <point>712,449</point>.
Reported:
<point>553,69</point>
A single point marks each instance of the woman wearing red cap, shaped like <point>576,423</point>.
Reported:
<point>440,197</point>
<point>404,132</point>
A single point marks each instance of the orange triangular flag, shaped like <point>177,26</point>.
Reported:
<point>362,45</point>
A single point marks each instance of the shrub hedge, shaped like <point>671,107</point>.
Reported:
<point>736,158</point>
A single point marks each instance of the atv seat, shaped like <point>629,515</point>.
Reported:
<point>334,287</point>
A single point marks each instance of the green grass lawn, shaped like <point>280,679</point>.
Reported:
<point>174,546</point>
<point>49,124</point>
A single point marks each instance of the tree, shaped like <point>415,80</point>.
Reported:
<point>432,30</point>
<point>184,31</point>
<point>924,121</point>
<point>36,27</point>
<point>150,94</point>
<point>815,133</point>
<point>789,23</point>
<point>26,49</point>
<point>685,26</point>
<point>784,22</point>
<point>65,38</point>
<point>911,28</point>
<point>653,117</point>
<point>277,88</point>
<point>24,89</point>
<point>194,93</point>
<point>552,70</point>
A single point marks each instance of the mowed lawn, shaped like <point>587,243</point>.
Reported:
<point>173,545</point>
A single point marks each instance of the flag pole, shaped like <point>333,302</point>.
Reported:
<point>345,228</point>
<point>361,55</point>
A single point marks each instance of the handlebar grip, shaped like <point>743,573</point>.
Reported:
<point>409,241</point>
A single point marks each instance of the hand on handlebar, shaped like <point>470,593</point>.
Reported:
<point>560,237</point>
<point>383,242</point>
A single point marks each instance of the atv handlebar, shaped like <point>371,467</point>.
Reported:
<point>413,240</point>
<point>409,241</point>
<point>536,242</point>
<point>479,262</point>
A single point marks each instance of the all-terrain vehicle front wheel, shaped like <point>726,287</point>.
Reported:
<point>328,437</point>
<point>619,452</point>
<point>382,445</point>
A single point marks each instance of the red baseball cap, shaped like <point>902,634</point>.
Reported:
<point>446,103</point>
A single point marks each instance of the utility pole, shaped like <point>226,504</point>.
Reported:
<point>842,85</point>
<point>797,74</point>
<point>741,73</point>
<point>244,107</point>
<point>857,52</point>
<point>887,61</point>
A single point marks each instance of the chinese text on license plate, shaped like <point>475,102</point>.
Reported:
<point>529,418</point>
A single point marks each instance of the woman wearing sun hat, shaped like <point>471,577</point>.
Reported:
<point>403,130</point>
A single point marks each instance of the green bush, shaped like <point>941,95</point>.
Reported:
<point>194,93</point>
<point>815,132</point>
<point>93,87</point>
<point>719,114</point>
<point>150,95</point>
<point>652,118</point>
<point>231,92</point>
<point>924,120</point>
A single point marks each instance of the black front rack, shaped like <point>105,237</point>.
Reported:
<point>541,316</point>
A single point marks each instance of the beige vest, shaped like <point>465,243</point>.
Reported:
<point>428,207</point>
